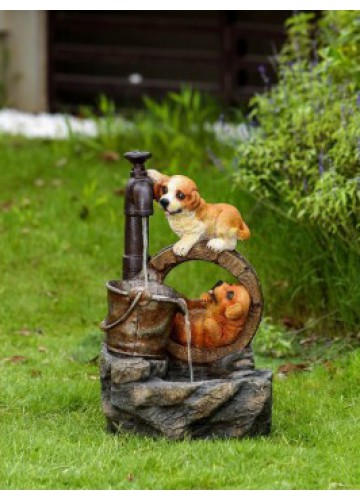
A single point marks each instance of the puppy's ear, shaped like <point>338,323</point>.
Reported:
<point>194,200</point>
<point>158,180</point>
<point>157,191</point>
<point>157,177</point>
<point>219,283</point>
<point>234,312</point>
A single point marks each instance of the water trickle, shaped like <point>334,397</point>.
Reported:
<point>188,341</point>
<point>144,222</point>
<point>188,336</point>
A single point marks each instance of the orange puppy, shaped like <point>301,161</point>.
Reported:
<point>192,219</point>
<point>217,320</point>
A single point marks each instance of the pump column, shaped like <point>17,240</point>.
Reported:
<point>138,204</point>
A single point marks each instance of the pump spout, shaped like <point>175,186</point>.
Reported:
<point>138,204</point>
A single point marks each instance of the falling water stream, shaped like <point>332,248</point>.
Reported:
<point>180,302</point>
<point>144,222</point>
<point>188,337</point>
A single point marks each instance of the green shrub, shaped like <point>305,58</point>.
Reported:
<point>273,340</point>
<point>305,155</point>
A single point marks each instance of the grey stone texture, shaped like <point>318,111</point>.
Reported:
<point>228,398</point>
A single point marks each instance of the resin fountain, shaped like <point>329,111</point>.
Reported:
<point>153,384</point>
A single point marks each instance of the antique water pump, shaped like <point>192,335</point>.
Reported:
<point>140,310</point>
<point>138,207</point>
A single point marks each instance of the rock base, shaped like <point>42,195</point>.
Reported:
<point>155,397</point>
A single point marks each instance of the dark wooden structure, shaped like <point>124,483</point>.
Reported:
<point>126,54</point>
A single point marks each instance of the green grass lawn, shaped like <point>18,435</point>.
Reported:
<point>61,230</point>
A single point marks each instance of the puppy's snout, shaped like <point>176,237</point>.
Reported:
<point>164,202</point>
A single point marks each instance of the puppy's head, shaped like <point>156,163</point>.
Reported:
<point>233,300</point>
<point>175,194</point>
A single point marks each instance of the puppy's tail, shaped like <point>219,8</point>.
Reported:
<point>243,232</point>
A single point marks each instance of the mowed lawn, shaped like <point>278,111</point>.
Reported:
<point>61,230</point>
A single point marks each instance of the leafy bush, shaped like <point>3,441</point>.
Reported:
<point>272,340</point>
<point>305,155</point>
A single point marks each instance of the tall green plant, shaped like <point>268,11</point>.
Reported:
<point>305,156</point>
<point>178,127</point>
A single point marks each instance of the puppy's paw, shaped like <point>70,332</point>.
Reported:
<point>181,249</point>
<point>216,244</point>
<point>219,245</point>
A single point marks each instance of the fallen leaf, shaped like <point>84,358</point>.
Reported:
<point>291,323</point>
<point>42,348</point>
<point>15,359</point>
<point>24,332</point>
<point>35,373</point>
<point>94,377</point>
<point>130,477</point>
<point>119,191</point>
<point>110,156</point>
<point>7,206</point>
<point>293,367</point>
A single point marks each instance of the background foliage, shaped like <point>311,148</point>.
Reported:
<point>303,160</point>
<point>305,156</point>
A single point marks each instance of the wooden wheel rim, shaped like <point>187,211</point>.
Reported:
<point>162,263</point>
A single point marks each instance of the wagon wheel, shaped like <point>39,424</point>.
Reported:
<point>161,264</point>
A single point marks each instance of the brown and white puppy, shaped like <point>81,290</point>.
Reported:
<point>217,319</point>
<point>194,220</point>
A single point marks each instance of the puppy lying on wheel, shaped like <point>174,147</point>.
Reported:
<point>217,319</point>
<point>194,220</point>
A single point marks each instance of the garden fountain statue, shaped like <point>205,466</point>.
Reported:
<point>172,366</point>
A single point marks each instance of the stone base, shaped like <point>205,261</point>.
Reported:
<point>155,397</point>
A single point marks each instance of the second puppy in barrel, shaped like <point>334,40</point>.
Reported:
<point>217,319</point>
